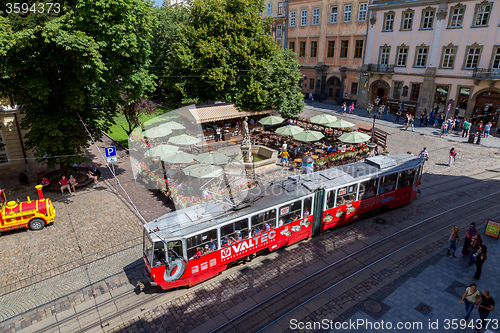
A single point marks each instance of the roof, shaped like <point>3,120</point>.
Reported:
<point>194,219</point>
<point>222,112</point>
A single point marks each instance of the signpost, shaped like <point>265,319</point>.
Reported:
<point>111,158</point>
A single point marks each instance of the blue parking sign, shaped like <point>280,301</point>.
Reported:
<point>110,151</point>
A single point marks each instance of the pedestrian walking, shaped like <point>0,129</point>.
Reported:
<point>454,238</point>
<point>351,108</point>
<point>480,259</point>
<point>484,306</point>
<point>469,233</point>
<point>406,122</point>
<point>487,129</point>
<point>311,97</point>
<point>412,122</point>
<point>453,154</point>
<point>398,115</point>
<point>470,298</point>
<point>474,247</point>
<point>424,154</point>
<point>466,126</point>
<point>344,108</point>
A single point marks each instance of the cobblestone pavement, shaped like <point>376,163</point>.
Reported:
<point>94,247</point>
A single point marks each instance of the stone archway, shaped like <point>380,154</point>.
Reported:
<point>379,89</point>
<point>333,89</point>
<point>486,106</point>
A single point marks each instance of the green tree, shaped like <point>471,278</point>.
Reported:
<point>133,110</point>
<point>225,52</point>
<point>72,66</point>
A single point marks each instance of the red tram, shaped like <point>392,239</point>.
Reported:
<point>191,245</point>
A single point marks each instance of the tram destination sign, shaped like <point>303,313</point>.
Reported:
<point>492,229</point>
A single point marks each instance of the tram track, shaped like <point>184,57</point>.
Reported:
<point>240,320</point>
<point>281,304</point>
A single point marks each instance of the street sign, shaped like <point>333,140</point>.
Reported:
<point>110,152</point>
<point>112,159</point>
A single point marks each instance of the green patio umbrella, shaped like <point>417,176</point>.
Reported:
<point>354,137</point>
<point>203,171</point>
<point>172,125</point>
<point>161,151</point>
<point>183,139</point>
<point>289,130</point>
<point>157,132</point>
<point>212,157</point>
<point>309,136</point>
<point>271,120</point>
<point>339,123</point>
<point>323,119</point>
<point>179,157</point>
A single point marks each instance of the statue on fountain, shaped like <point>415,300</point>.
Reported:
<point>246,144</point>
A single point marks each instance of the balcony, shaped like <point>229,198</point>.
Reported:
<point>486,74</point>
<point>376,68</point>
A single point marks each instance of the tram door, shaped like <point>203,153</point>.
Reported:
<point>319,197</point>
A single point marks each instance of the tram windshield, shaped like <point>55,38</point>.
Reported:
<point>148,247</point>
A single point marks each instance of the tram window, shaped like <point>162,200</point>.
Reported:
<point>259,221</point>
<point>290,213</point>
<point>307,206</point>
<point>387,183</point>
<point>346,194</point>
<point>201,243</point>
<point>406,178</point>
<point>330,199</point>
<point>148,247</point>
<point>234,232</point>
<point>368,189</point>
<point>174,246</point>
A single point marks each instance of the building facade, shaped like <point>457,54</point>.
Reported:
<point>439,55</point>
<point>277,9</point>
<point>328,38</point>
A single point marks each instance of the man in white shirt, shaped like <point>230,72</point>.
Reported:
<point>424,154</point>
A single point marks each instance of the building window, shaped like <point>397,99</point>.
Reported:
<point>344,46</point>
<point>473,55</point>
<point>448,57</point>
<point>278,30</point>
<point>333,14</point>
<point>398,87</point>
<point>293,16</point>
<point>347,13</point>
<point>421,56</point>
<point>427,19</point>
<point>389,21</point>
<point>358,49</point>
<point>4,158</point>
<point>291,46</point>
<point>269,9</point>
<point>415,91</point>
<point>303,17</point>
<point>456,17</point>
<point>311,84</point>
<point>407,20</point>
<point>314,49</point>
<point>354,88</point>
<point>482,15</point>
<point>302,49</point>
<point>363,9</point>
<point>280,8</point>
<point>315,20</point>
<point>495,64</point>
<point>402,56</point>
<point>383,58</point>
<point>331,49</point>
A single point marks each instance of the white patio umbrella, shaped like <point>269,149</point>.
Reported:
<point>271,120</point>
<point>183,139</point>
<point>289,130</point>
<point>212,157</point>
<point>157,132</point>
<point>172,125</point>
<point>339,123</point>
<point>179,157</point>
<point>309,136</point>
<point>203,171</point>
<point>354,137</point>
<point>323,119</point>
<point>161,151</point>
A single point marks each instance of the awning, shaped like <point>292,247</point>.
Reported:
<point>223,112</point>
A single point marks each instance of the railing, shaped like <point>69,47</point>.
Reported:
<point>486,74</point>
<point>380,68</point>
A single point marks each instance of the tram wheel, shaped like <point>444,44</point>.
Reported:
<point>37,224</point>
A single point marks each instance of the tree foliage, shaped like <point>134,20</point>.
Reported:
<point>225,52</point>
<point>133,110</point>
<point>74,64</point>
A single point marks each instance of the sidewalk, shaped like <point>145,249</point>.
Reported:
<point>493,141</point>
<point>430,294</point>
